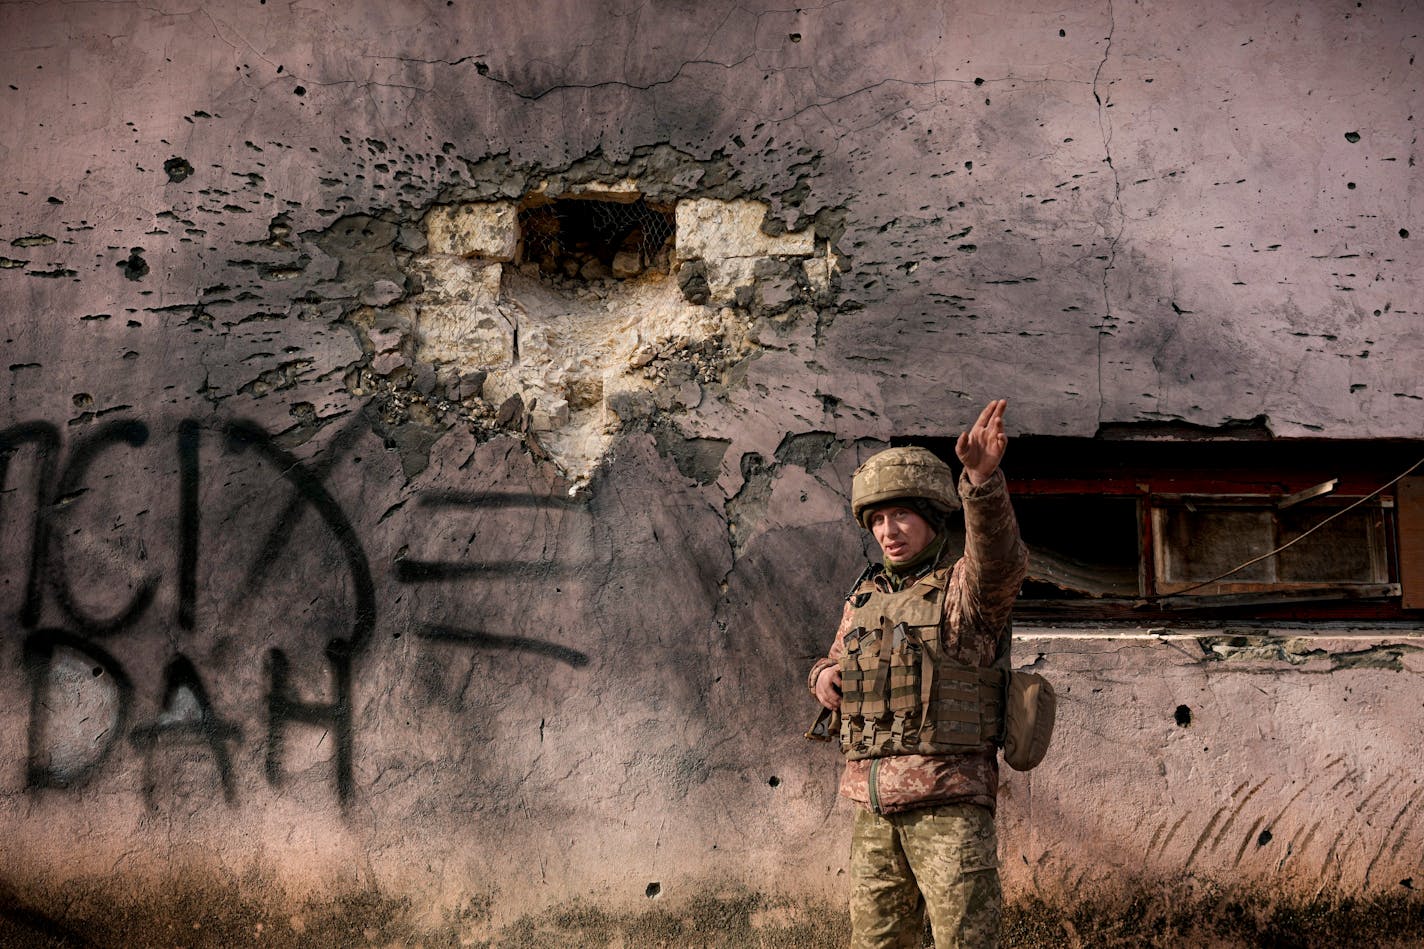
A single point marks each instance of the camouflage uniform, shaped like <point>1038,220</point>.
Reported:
<point>929,843</point>
<point>949,853</point>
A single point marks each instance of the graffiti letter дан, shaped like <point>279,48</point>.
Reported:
<point>58,491</point>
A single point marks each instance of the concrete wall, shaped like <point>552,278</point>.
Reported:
<point>362,584</point>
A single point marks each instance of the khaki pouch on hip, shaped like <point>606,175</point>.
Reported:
<point>1029,711</point>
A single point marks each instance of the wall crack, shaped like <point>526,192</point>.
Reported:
<point>1109,321</point>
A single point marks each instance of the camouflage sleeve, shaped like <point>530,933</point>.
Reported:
<point>995,558</point>
<point>833,658</point>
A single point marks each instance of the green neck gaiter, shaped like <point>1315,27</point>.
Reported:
<point>900,574</point>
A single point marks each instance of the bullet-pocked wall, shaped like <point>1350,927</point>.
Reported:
<point>428,431</point>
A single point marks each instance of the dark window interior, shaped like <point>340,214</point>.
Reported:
<point>1081,545</point>
<point>585,238</point>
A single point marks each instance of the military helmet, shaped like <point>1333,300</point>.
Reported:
<point>896,473</point>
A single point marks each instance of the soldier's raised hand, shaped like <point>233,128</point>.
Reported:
<point>981,448</point>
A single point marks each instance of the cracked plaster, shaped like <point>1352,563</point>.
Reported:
<point>584,359</point>
<point>1110,213</point>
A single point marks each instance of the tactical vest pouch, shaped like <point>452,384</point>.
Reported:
<point>1030,708</point>
<point>965,707</point>
<point>918,701</point>
<point>871,661</point>
<point>904,672</point>
<point>902,693</point>
<point>853,678</point>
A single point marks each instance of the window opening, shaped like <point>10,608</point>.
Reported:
<point>1141,531</point>
<point>592,239</point>
<point>1081,546</point>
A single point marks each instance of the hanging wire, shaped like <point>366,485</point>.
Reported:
<point>1299,537</point>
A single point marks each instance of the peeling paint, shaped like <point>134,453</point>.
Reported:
<point>473,327</point>
<point>1301,651</point>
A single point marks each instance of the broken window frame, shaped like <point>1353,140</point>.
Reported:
<point>1382,575</point>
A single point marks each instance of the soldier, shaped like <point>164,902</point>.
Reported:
<point>910,674</point>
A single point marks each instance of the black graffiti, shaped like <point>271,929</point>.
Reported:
<point>285,523</point>
<point>59,491</point>
<point>39,654</point>
<point>56,491</point>
<point>495,499</point>
<point>45,438</point>
<point>479,640</point>
<point>71,481</point>
<point>188,717</point>
<point>284,708</point>
<point>423,571</point>
<point>189,435</point>
<point>243,435</point>
<point>181,676</point>
<point>411,570</point>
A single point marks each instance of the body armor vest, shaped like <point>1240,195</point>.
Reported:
<point>902,694</point>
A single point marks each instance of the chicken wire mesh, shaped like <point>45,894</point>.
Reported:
<point>596,239</point>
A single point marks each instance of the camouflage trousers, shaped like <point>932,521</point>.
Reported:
<point>942,861</point>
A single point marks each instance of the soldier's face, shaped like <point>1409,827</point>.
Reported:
<point>900,532</point>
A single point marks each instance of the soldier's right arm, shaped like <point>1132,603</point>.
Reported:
<point>995,558</point>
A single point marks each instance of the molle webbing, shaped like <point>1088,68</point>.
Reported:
<point>901,693</point>
<point>885,714</point>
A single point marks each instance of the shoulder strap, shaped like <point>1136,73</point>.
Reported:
<point>871,569</point>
